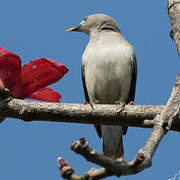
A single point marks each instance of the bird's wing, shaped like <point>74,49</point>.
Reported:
<point>98,128</point>
<point>133,86</point>
<point>133,80</point>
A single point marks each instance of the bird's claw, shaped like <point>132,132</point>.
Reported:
<point>85,102</point>
<point>120,106</point>
<point>91,103</point>
<point>117,102</point>
<point>96,101</point>
<point>131,103</point>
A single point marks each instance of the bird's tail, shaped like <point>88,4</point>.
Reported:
<point>113,142</point>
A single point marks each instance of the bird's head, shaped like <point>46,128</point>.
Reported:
<point>96,23</point>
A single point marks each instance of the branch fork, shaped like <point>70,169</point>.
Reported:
<point>143,159</point>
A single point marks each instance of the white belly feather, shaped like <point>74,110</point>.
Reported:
<point>107,73</point>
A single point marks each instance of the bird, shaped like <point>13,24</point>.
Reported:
<point>109,73</point>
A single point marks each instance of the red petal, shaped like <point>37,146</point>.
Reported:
<point>10,68</point>
<point>46,94</point>
<point>36,75</point>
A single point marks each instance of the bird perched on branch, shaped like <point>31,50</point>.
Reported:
<point>109,74</point>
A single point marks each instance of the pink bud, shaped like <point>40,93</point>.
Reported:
<point>61,163</point>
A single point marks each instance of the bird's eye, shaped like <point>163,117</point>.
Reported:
<point>85,19</point>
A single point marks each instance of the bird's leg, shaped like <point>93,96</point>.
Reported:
<point>121,106</point>
<point>117,102</point>
<point>121,159</point>
<point>131,103</point>
<point>85,102</point>
<point>97,101</point>
<point>92,102</point>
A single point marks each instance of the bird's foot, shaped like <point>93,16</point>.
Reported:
<point>121,159</point>
<point>97,101</point>
<point>131,103</point>
<point>85,102</point>
<point>121,106</point>
<point>91,103</point>
<point>117,102</point>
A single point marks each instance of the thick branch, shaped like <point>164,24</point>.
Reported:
<point>131,115</point>
<point>174,14</point>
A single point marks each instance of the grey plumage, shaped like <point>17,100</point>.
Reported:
<point>108,72</point>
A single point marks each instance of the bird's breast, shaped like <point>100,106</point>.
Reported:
<point>107,72</point>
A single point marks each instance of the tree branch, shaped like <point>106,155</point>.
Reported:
<point>143,159</point>
<point>131,115</point>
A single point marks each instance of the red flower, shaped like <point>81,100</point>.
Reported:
<point>31,80</point>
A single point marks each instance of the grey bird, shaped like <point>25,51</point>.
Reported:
<point>109,72</point>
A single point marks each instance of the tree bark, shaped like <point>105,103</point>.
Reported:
<point>131,115</point>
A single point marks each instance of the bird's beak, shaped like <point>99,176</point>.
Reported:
<point>77,28</point>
